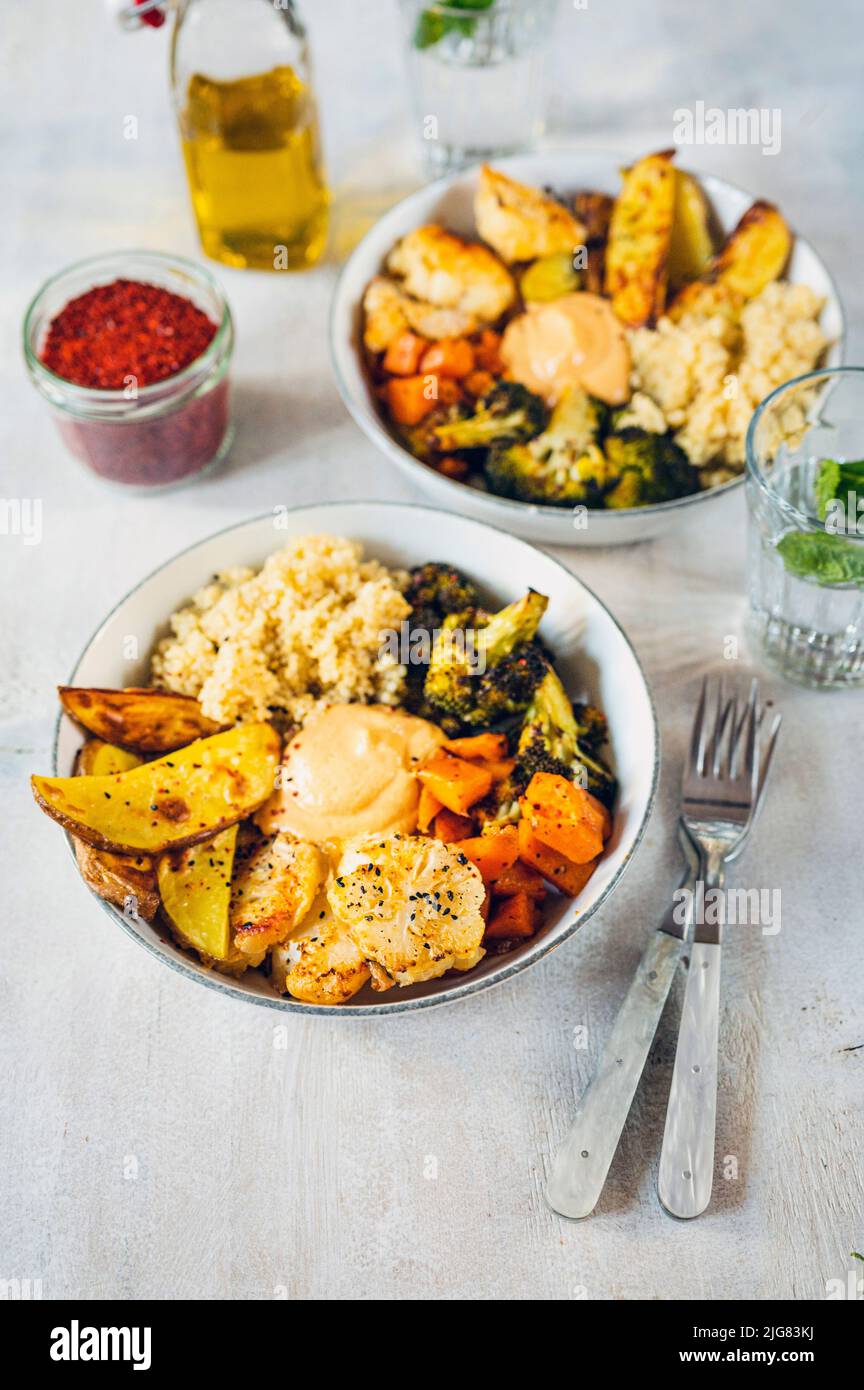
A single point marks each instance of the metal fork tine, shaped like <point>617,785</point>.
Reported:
<point>749,770</point>
<point>697,738</point>
<point>710,759</point>
<point>726,738</point>
<point>765,758</point>
<point>761,716</point>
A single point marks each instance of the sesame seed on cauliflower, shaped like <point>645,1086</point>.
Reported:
<point>412,906</point>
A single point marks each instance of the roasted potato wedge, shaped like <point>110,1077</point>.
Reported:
<point>125,881</point>
<point>177,800</point>
<point>97,759</point>
<point>195,887</point>
<point>522,223</point>
<point>638,246</point>
<point>148,721</point>
<point>272,893</point>
<point>752,257</point>
<point>691,245</point>
<point>595,210</point>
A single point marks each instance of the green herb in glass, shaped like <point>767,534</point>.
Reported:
<point>432,25</point>
<point>825,558</point>
<point>834,483</point>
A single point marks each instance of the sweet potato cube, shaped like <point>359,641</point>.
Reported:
<point>402,357</point>
<point>521,878</point>
<point>456,783</point>
<point>492,853</point>
<point>410,398</point>
<point>516,916</point>
<point>565,817</point>
<point>427,809</point>
<point>449,827</point>
<point>486,747</point>
<point>451,357</point>
<point>567,877</point>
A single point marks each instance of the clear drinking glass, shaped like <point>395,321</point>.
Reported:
<point>476,75</point>
<point>807,527</point>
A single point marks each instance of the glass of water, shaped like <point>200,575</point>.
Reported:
<point>476,74</point>
<point>805,493</point>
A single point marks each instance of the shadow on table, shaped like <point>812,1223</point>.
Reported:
<point>269,418</point>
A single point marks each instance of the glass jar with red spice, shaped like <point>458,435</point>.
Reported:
<point>131,351</point>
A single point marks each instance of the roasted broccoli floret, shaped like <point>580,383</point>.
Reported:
<point>552,734</point>
<point>593,727</point>
<point>434,590</point>
<point>484,670</point>
<point>651,468</point>
<point>421,440</point>
<point>556,736</point>
<point>564,466</point>
<point>554,739</point>
<point>506,414</point>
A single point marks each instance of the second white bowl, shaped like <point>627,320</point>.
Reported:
<point>450,202</point>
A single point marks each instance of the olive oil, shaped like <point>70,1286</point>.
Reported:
<point>254,165</point>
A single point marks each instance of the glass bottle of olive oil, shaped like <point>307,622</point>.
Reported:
<point>248,120</point>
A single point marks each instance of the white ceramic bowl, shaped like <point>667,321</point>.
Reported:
<point>593,655</point>
<point>450,201</point>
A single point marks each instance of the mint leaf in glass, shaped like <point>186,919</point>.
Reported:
<point>834,483</point>
<point>821,557</point>
<point>825,488</point>
<point>432,24</point>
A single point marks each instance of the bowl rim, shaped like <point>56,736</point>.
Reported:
<point>378,434</point>
<point>223,984</point>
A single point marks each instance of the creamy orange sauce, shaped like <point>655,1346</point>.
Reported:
<point>572,341</point>
<point>351,770</point>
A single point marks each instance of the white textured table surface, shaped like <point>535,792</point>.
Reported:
<point>160,1141</point>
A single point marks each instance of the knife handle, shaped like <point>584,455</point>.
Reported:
<point>582,1162</point>
<point>686,1173</point>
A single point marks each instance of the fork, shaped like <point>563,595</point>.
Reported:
<point>720,790</point>
<point>582,1162</point>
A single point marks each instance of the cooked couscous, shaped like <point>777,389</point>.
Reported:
<point>704,376</point>
<point>303,631</point>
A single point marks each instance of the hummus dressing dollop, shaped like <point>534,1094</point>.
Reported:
<point>351,770</point>
<point>572,341</point>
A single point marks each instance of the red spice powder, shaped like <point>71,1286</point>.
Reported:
<point>122,330</point>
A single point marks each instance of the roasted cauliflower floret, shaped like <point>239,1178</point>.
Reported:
<point>272,891</point>
<point>439,267</point>
<point>388,311</point>
<point>521,223</point>
<point>319,962</point>
<point>412,906</point>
